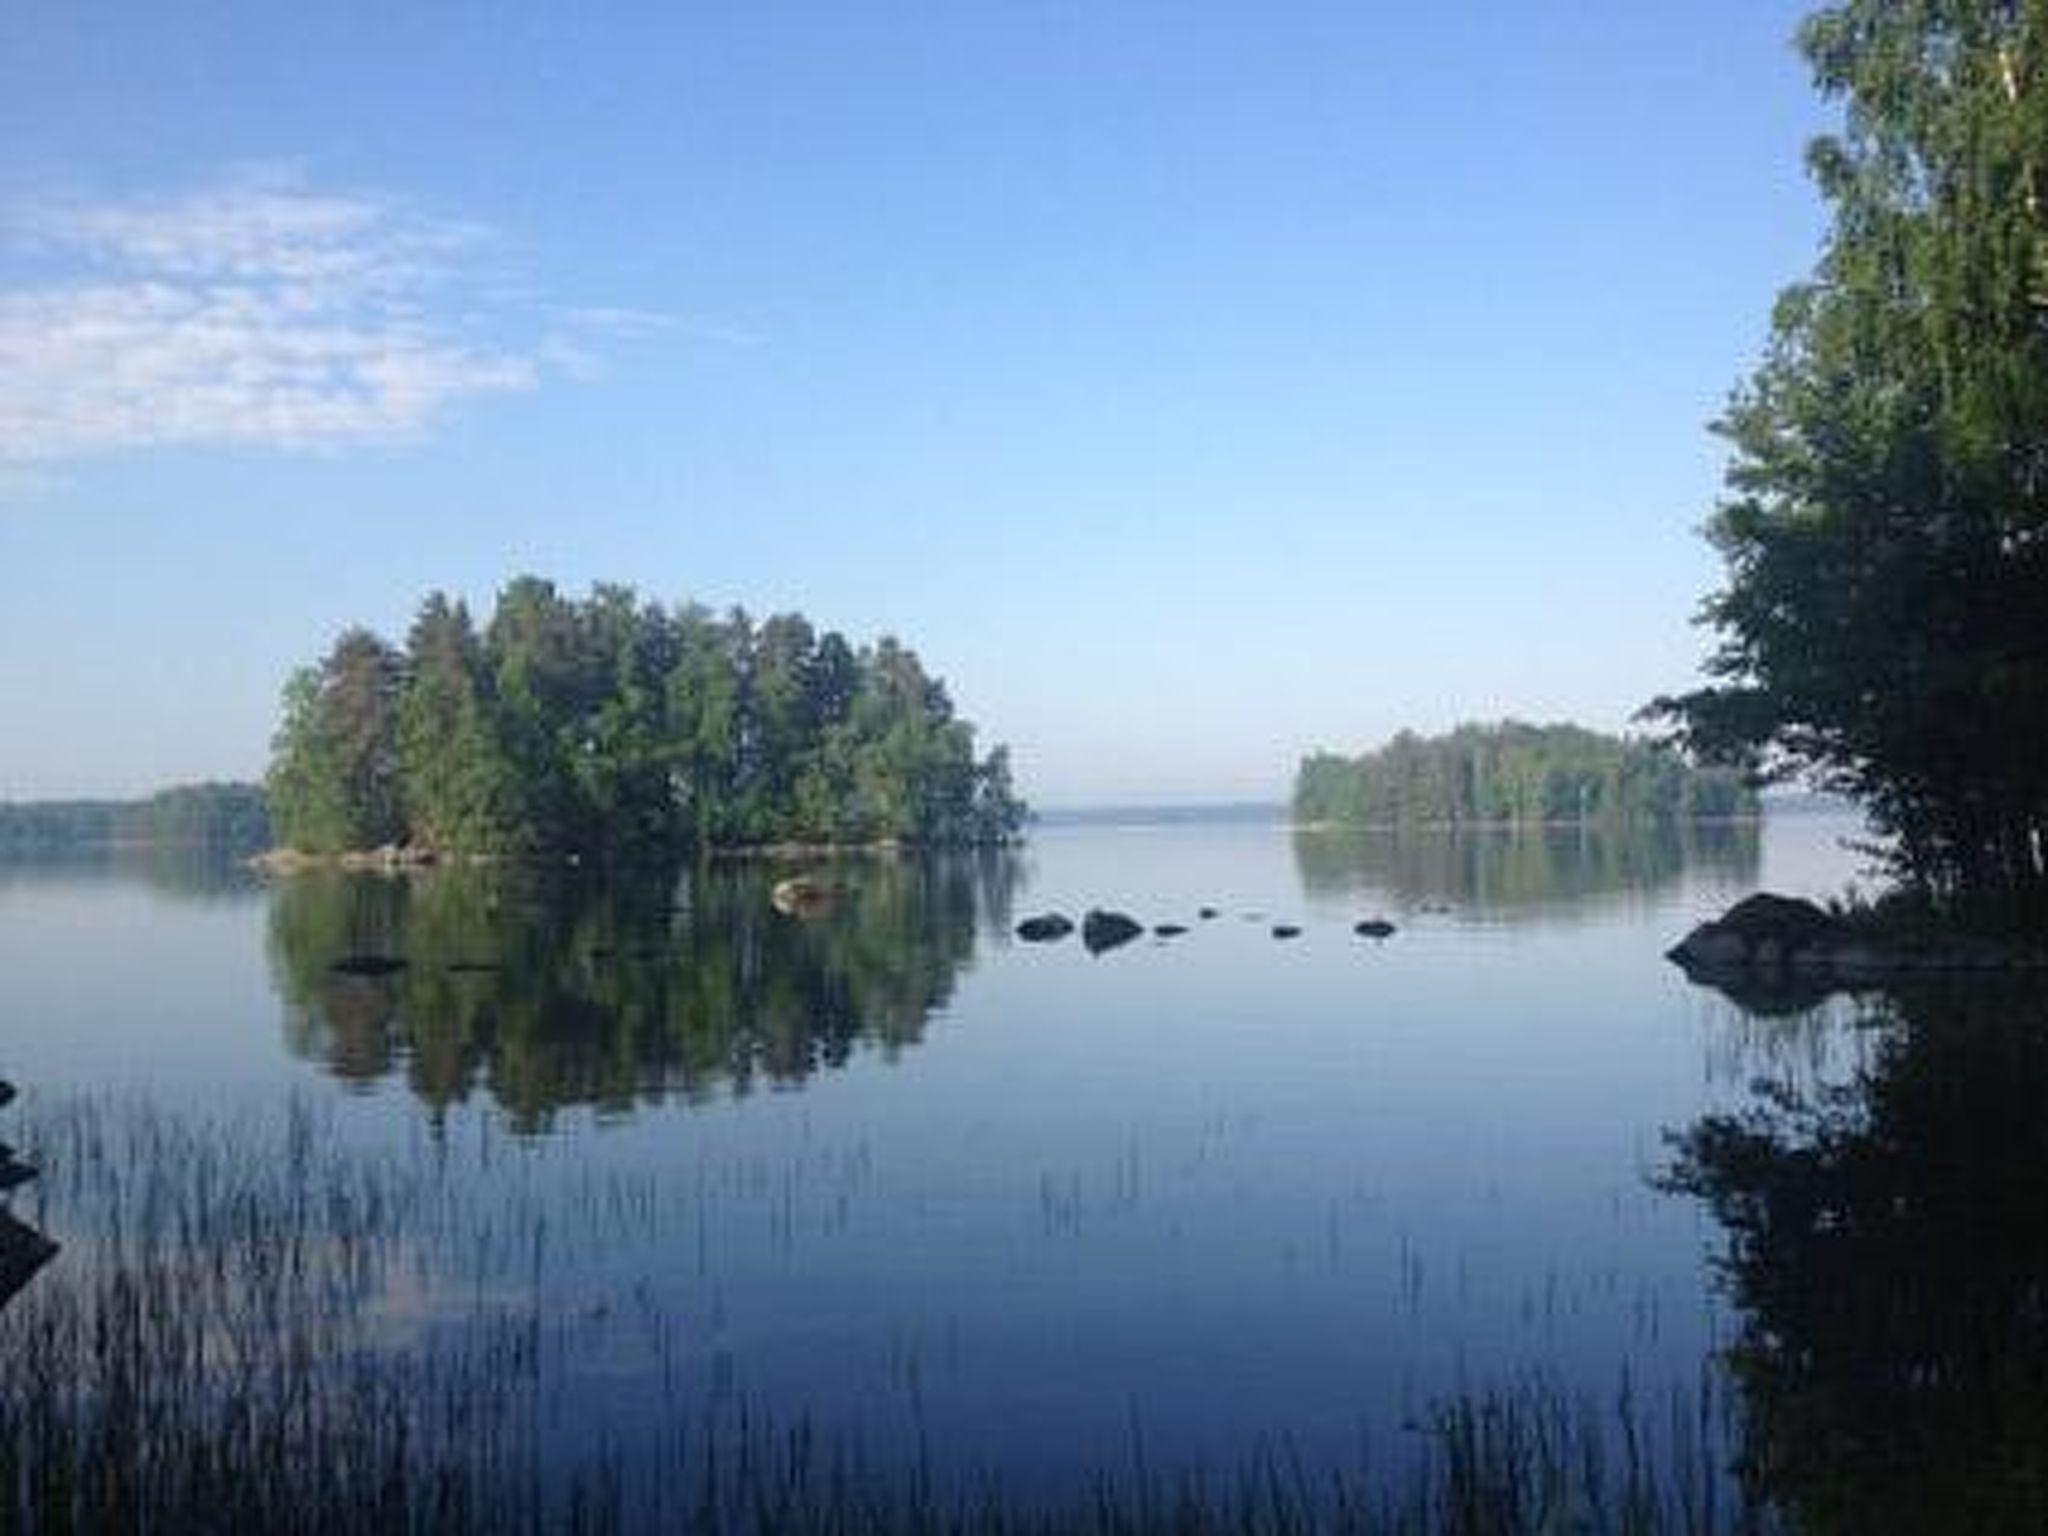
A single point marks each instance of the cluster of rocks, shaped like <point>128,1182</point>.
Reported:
<point>1766,935</point>
<point>1102,930</point>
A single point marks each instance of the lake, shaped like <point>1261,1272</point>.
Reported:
<point>614,1173</point>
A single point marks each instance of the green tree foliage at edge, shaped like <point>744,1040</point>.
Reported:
<point>1884,622</point>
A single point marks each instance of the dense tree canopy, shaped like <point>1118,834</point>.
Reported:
<point>1884,624</point>
<point>1512,773</point>
<point>620,728</point>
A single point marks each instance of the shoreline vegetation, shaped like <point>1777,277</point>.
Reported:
<point>612,729</point>
<point>1573,824</point>
<point>394,858</point>
<point>1514,775</point>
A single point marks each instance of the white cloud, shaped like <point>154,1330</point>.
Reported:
<point>258,312</point>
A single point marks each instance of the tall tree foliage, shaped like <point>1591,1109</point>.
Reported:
<point>1884,624</point>
<point>618,728</point>
<point>334,779</point>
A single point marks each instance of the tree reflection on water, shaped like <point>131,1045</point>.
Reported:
<point>547,989</point>
<point>1887,1248</point>
<point>1523,871</point>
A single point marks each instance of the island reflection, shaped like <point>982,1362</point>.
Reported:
<point>554,988</point>
<point>1522,872</point>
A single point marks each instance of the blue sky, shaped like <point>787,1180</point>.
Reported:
<point>1192,385</point>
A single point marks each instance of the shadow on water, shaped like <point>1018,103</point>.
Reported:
<point>546,988</point>
<point>1514,873</point>
<point>1886,1246</point>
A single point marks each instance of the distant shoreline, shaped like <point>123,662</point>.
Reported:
<point>395,859</point>
<point>1572,824</point>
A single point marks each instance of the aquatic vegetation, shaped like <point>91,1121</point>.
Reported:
<point>250,1330</point>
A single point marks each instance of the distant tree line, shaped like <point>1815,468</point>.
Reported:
<point>619,728</point>
<point>1516,774</point>
<point>227,817</point>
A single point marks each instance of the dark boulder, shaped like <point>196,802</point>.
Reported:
<point>1764,939</point>
<point>1286,931</point>
<point>1760,932</point>
<point>1207,914</point>
<point>1169,930</point>
<point>1374,928</point>
<point>1044,929</point>
<point>367,965</point>
<point>1106,930</point>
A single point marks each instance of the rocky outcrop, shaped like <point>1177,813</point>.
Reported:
<point>1102,930</point>
<point>1286,931</point>
<point>1045,929</point>
<point>1374,928</point>
<point>1768,935</point>
<point>1168,930</point>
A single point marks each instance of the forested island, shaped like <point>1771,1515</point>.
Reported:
<point>226,817</point>
<point>617,728</point>
<point>1514,774</point>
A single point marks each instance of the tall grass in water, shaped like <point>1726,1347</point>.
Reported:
<point>249,1330</point>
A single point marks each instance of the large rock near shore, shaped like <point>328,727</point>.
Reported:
<point>1767,935</point>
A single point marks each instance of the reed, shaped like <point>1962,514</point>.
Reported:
<point>233,1339</point>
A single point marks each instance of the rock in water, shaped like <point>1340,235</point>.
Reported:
<point>1106,930</point>
<point>1045,928</point>
<point>803,896</point>
<point>1763,931</point>
<point>1169,930</point>
<point>1374,928</point>
<point>1286,931</point>
<point>1208,913</point>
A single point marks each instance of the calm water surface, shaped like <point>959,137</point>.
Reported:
<point>953,1197</point>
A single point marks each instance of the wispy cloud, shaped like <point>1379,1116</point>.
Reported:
<point>257,312</point>
<point>577,343</point>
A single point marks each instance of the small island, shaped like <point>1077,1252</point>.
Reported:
<point>1514,774</point>
<point>616,729</point>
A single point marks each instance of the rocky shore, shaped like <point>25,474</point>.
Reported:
<point>1766,935</point>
